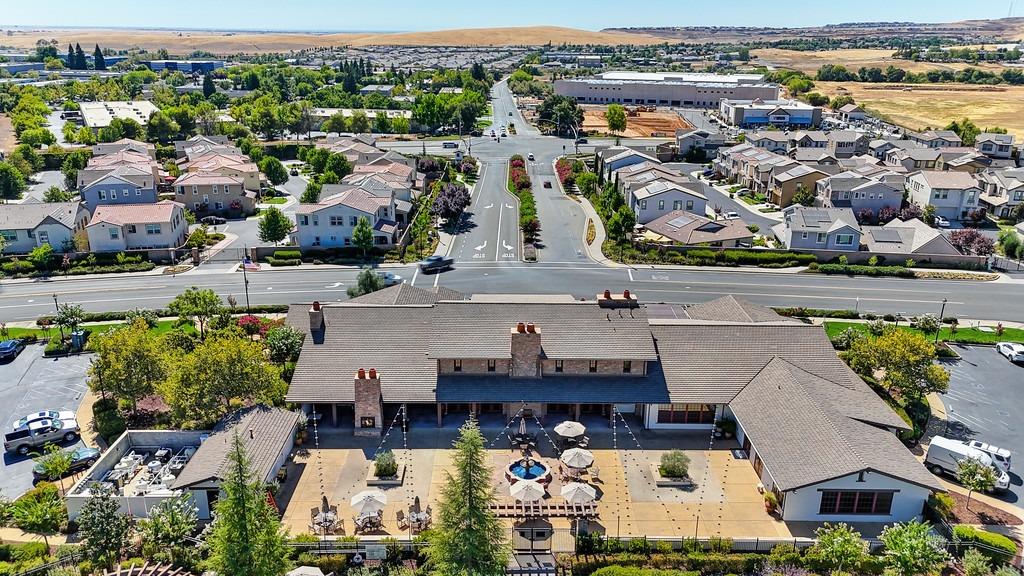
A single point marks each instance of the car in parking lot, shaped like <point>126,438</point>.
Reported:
<point>941,222</point>
<point>1013,351</point>
<point>436,264</point>
<point>294,171</point>
<point>82,458</point>
<point>214,220</point>
<point>40,433</point>
<point>43,415</point>
<point>11,348</point>
<point>389,278</point>
<point>732,216</point>
<point>1000,456</point>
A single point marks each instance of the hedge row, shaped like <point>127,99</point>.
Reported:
<point>699,562</point>
<point>161,313</point>
<point>862,270</point>
<point>817,313</point>
<point>996,546</point>
<point>275,262</point>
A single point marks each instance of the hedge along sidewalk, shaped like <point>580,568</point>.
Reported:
<point>58,277</point>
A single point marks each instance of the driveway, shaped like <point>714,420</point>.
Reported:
<point>984,402</point>
<point>31,383</point>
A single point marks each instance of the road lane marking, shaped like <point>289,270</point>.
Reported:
<point>437,276</point>
<point>414,276</point>
<point>630,270</point>
<point>500,209</point>
<point>480,247</point>
<point>829,297</point>
<point>489,206</point>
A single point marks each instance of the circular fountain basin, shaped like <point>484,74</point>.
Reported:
<point>528,470</point>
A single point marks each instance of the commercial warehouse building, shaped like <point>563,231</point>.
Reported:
<point>769,112</point>
<point>666,88</point>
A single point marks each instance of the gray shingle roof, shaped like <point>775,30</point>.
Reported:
<point>265,433</point>
<point>785,407</point>
<point>27,216</point>
<point>733,309</point>
<point>405,294</point>
<point>808,219</point>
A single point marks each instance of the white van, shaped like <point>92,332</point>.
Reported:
<point>1000,456</point>
<point>944,454</point>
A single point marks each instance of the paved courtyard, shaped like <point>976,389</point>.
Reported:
<point>724,502</point>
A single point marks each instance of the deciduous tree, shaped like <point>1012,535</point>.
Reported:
<point>274,169</point>
<point>40,511</point>
<point>839,547</point>
<point>57,194</point>
<point>905,359</point>
<point>166,529</point>
<point>12,182</point>
<point>620,225</point>
<point>284,344</point>
<point>199,304</point>
<point>975,476</point>
<point>130,362</point>
<point>367,281</point>
<point>274,226</point>
<point>362,235</point>
<point>616,117</point>
<point>104,530</point>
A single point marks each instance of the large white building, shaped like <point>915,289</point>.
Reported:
<point>98,115</point>
<point>755,112</point>
<point>666,88</point>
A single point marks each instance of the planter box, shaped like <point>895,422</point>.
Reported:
<point>395,480</point>
<point>663,482</point>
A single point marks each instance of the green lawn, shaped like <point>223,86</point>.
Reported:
<point>963,335</point>
<point>274,200</point>
<point>161,327</point>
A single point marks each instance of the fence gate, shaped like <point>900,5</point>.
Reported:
<point>228,254</point>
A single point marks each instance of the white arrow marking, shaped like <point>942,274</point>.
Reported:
<point>31,301</point>
<point>491,205</point>
<point>270,287</point>
<point>506,246</point>
<point>509,206</point>
<point>335,285</point>
<point>481,247</point>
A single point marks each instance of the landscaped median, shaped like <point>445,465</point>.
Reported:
<point>519,184</point>
<point>43,262</point>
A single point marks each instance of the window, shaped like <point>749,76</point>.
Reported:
<point>337,220</point>
<point>803,236</point>
<point>181,190</point>
<point>970,197</point>
<point>593,366</point>
<point>348,241</point>
<point>138,191</point>
<point>686,413</point>
<point>677,205</point>
<point>131,228</point>
<point>643,204</point>
<point>102,194</point>
<point>195,190</point>
<point>152,229</point>
<point>9,235</point>
<point>941,194</point>
<point>215,189</point>
<point>821,237</point>
<point>661,204</point>
<point>855,502</point>
<point>844,239</point>
<point>491,365</point>
<point>457,365</point>
<point>353,220</point>
<point>627,366</point>
<point>44,238</point>
<point>218,205</point>
<point>559,366</point>
<point>689,204</point>
<point>114,233</point>
<point>304,220</point>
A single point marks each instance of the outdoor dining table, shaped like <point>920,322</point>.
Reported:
<point>325,521</point>
<point>419,520</point>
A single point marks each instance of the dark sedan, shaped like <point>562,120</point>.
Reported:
<point>81,459</point>
<point>9,349</point>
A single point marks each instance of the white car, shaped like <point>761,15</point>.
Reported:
<point>389,278</point>
<point>1000,456</point>
<point>941,222</point>
<point>1013,351</point>
<point>732,216</point>
<point>44,415</point>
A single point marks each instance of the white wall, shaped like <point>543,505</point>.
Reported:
<point>907,503</point>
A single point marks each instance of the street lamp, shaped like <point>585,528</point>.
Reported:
<point>245,280</point>
<point>59,325</point>
<point>941,314</point>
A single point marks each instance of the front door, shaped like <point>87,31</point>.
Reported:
<point>758,465</point>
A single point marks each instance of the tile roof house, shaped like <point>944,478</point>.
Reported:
<point>214,193</point>
<point>819,229</point>
<point>116,228</point>
<point>330,222</point>
<point>28,225</point>
<point>689,229</point>
<point>824,434</point>
<point>120,176</point>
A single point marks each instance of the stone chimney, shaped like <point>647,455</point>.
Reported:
<point>526,350</point>
<point>369,411</point>
<point>316,318</point>
<point>624,300</point>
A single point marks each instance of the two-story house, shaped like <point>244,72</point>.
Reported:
<point>953,194</point>
<point>1002,191</point>
<point>862,191</point>
<point>818,229</point>
<point>137,226</point>
<point>994,145</point>
<point>330,222</point>
<point>661,197</point>
<point>31,224</point>
<point>235,166</point>
<point>809,139</point>
<point>936,138</point>
<point>787,182</point>
<point>913,158</point>
<point>211,193</point>
<point>616,157</point>
<point>123,177</point>
<point>105,148</point>
<point>770,140</point>
<point>847,143</point>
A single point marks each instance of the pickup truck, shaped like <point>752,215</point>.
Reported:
<point>436,264</point>
<point>40,433</point>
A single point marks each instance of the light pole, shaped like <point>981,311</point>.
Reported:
<point>245,280</point>
<point>941,314</point>
<point>59,325</point>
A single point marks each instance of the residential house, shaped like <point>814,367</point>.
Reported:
<point>616,157</point>
<point>812,139</point>
<point>994,145</point>
<point>971,162</point>
<point>815,434</point>
<point>852,113</point>
<point>399,193</point>
<point>813,156</point>
<point>911,159</point>
<point>28,225</point>
<point>910,237</point>
<point>685,228</point>
<point>125,176</point>
<point>862,189</point>
<point>232,165</point>
<point>212,193</point>
<point>847,143</point>
<point>953,194</point>
<point>638,175</point>
<point>330,222</point>
<point>760,171</point>
<point>700,139</point>
<point>786,183</point>
<point>661,197</point>
<point>122,227</point>
<point>104,148</point>
<point>1002,191</point>
<point>819,229</point>
<point>198,144</point>
<point>936,138</point>
<point>770,140</point>
<point>880,147</point>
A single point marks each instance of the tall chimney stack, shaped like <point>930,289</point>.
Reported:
<point>316,318</point>
<point>526,350</point>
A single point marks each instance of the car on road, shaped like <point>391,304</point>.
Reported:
<point>44,415</point>
<point>214,220</point>
<point>40,433</point>
<point>492,134</point>
<point>294,172</point>
<point>547,183</point>
<point>581,140</point>
<point>1013,351</point>
<point>941,222</point>
<point>389,278</point>
<point>436,264</point>
<point>450,145</point>
<point>1001,456</point>
<point>732,216</point>
<point>81,459</point>
<point>11,348</point>
<point>708,172</point>
<point>530,157</point>
<point>509,112</point>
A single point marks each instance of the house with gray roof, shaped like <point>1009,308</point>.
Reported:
<point>953,194</point>
<point>28,225</point>
<point>907,237</point>
<point>936,138</point>
<point>994,145</point>
<point>847,143</point>
<point>661,197</point>
<point>813,431</point>
<point>1002,191</point>
<point>818,229</point>
<point>862,189</point>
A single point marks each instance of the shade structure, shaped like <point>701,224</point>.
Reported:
<point>570,429</point>
<point>577,458</point>
<point>369,502</point>
<point>579,493</point>
<point>527,491</point>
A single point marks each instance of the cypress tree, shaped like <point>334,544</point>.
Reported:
<point>72,62</point>
<point>98,60</point>
<point>80,62</point>
<point>208,87</point>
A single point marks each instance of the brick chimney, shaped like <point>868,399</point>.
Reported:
<point>624,300</point>
<point>526,350</point>
<point>316,318</point>
<point>369,411</point>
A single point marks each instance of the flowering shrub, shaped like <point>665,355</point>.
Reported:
<point>252,325</point>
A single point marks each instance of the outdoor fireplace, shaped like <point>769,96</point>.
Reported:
<point>367,422</point>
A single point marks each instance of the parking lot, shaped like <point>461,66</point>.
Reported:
<point>985,402</point>
<point>31,383</point>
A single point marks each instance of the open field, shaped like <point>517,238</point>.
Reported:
<point>642,126</point>
<point>937,104</point>
<point>185,41</point>
<point>853,59</point>
<point>7,138</point>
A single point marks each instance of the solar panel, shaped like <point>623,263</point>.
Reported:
<point>886,235</point>
<point>680,221</point>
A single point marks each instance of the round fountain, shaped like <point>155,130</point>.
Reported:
<point>528,469</point>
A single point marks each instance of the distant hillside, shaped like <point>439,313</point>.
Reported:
<point>967,30</point>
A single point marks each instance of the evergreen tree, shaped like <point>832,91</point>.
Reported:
<point>80,62</point>
<point>246,539</point>
<point>209,89</point>
<point>103,528</point>
<point>72,61</point>
<point>469,539</point>
<point>98,60</point>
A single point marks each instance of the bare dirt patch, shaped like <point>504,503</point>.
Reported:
<point>7,138</point>
<point>853,59</point>
<point>980,513</point>
<point>642,125</point>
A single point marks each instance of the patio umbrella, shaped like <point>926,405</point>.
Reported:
<point>527,491</point>
<point>369,502</point>
<point>522,426</point>
<point>579,493</point>
<point>577,458</point>
<point>570,429</point>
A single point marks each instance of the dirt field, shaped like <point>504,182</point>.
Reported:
<point>853,59</point>
<point>643,126</point>
<point>257,42</point>
<point>937,104</point>
<point>7,139</point>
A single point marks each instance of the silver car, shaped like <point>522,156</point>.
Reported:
<point>1013,351</point>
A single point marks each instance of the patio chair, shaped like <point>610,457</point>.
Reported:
<point>333,509</point>
<point>313,512</point>
<point>595,474</point>
<point>339,527</point>
<point>403,522</point>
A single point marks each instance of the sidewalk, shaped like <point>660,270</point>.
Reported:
<point>594,250</point>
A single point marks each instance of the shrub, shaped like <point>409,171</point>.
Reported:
<point>108,421</point>
<point>857,269</point>
<point>288,254</point>
<point>385,465</point>
<point>674,464</point>
<point>275,262</point>
<point>784,555</point>
<point>996,546</point>
<point>28,551</point>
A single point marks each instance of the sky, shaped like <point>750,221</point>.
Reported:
<point>417,15</point>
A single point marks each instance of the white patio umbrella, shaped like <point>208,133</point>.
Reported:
<point>369,502</point>
<point>579,493</point>
<point>570,429</point>
<point>577,458</point>
<point>527,491</point>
